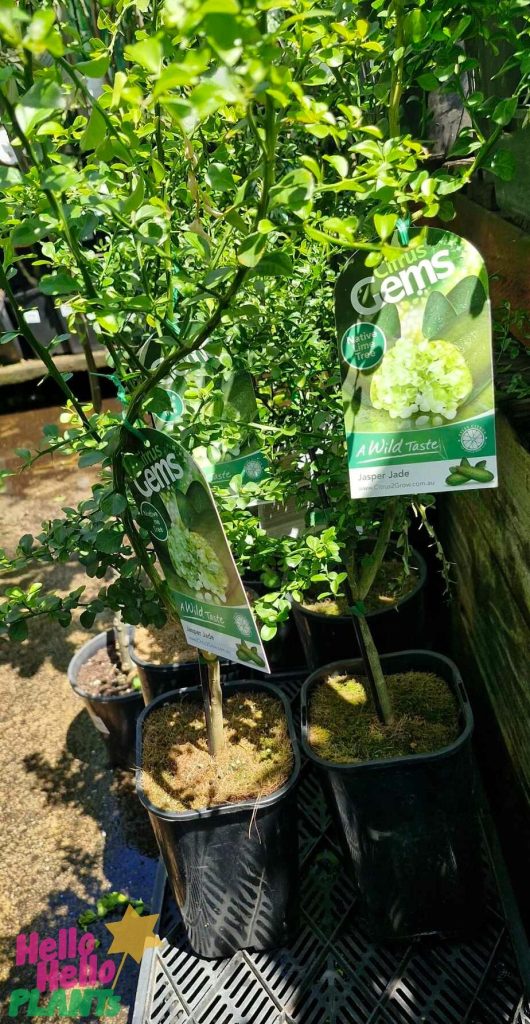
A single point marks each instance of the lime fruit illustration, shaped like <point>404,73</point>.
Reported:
<point>254,469</point>
<point>472,438</point>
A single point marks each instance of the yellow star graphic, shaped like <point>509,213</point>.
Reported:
<point>132,936</point>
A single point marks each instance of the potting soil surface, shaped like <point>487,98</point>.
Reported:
<point>72,829</point>
<point>165,646</point>
<point>178,772</point>
<point>102,676</point>
<point>390,585</point>
<point>344,728</point>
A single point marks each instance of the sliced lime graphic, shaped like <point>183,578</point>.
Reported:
<point>473,438</point>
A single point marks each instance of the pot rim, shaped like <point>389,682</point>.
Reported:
<point>421,566</point>
<point>219,810</point>
<point>88,649</point>
<point>409,760</point>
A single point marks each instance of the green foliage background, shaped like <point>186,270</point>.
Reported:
<point>194,172</point>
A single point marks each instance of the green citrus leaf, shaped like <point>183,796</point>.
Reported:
<point>251,249</point>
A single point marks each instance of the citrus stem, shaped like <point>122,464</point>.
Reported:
<point>375,561</point>
<point>396,82</point>
<point>377,672</point>
<point>214,720</point>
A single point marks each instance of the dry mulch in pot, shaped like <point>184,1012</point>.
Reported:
<point>102,676</point>
<point>178,772</point>
<point>344,727</point>
<point>165,646</point>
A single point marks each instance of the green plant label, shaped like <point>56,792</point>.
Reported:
<point>252,466</point>
<point>414,336</point>
<point>151,355</point>
<point>170,498</point>
<point>177,408</point>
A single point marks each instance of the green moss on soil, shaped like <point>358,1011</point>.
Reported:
<point>344,728</point>
<point>178,773</point>
<point>390,586</point>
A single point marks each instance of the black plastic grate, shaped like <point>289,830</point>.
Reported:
<point>500,991</point>
<point>166,1005</point>
<point>310,801</point>
<point>285,971</point>
<point>190,975</point>
<point>239,996</point>
<point>335,996</point>
<point>332,973</point>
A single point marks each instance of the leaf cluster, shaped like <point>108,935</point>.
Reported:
<point>187,177</point>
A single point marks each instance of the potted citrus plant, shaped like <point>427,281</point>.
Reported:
<point>228,155</point>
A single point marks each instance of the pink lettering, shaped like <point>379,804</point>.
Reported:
<point>106,972</point>
<point>48,975</point>
<point>68,976</point>
<point>87,944</point>
<point>48,949</point>
<point>25,949</point>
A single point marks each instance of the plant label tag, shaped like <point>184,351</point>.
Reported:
<point>98,722</point>
<point>251,466</point>
<point>414,336</point>
<point>31,316</point>
<point>172,501</point>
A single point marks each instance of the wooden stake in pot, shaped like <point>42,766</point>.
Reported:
<point>213,702</point>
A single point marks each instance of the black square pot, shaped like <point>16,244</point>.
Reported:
<point>327,638</point>
<point>409,826</point>
<point>233,869</point>
<point>159,679</point>
<point>285,652</point>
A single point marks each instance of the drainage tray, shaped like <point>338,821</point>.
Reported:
<point>333,974</point>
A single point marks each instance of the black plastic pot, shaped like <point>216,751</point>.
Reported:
<point>284,652</point>
<point>114,717</point>
<point>45,320</point>
<point>328,638</point>
<point>159,679</point>
<point>409,826</point>
<point>233,869</point>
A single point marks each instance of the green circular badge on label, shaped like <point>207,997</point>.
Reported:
<point>363,345</point>
<point>157,525</point>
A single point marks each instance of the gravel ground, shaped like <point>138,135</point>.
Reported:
<point>72,829</point>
